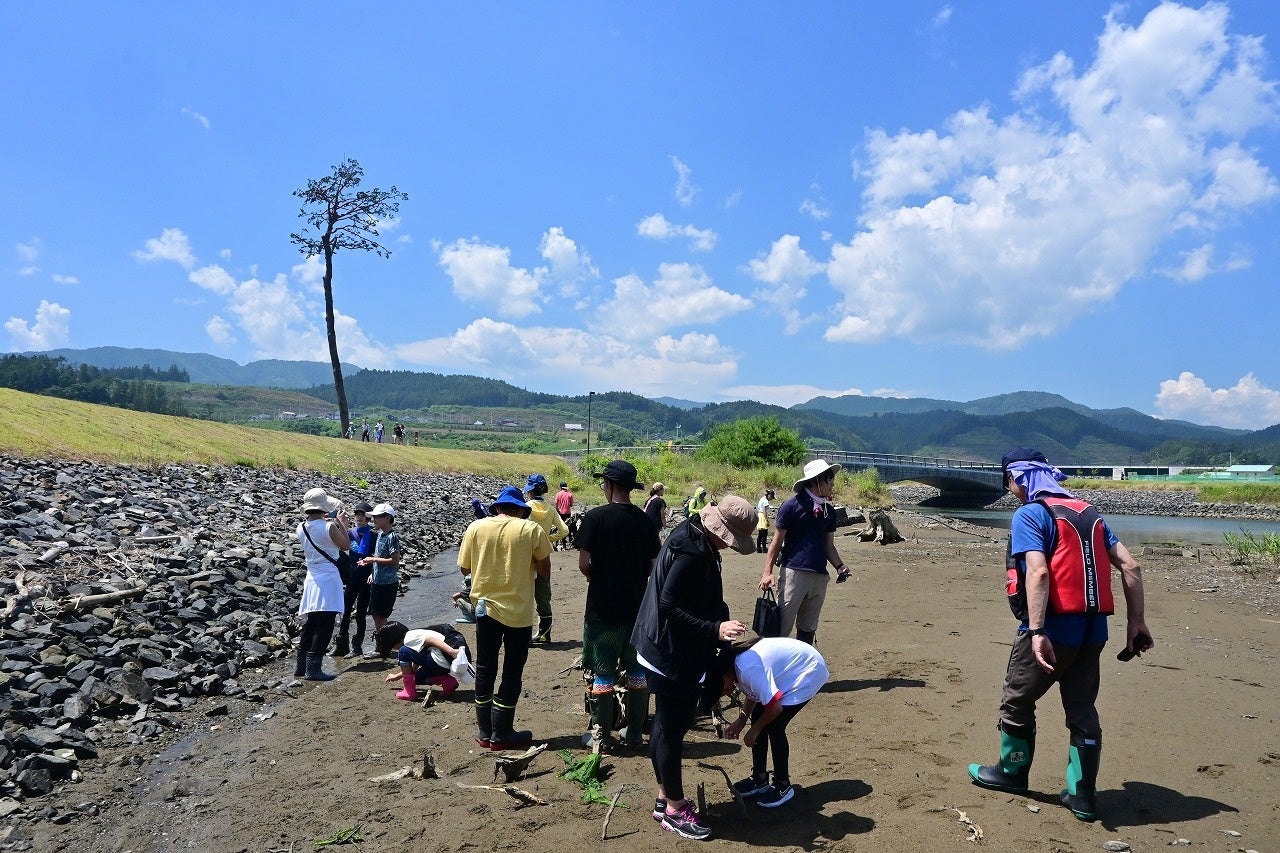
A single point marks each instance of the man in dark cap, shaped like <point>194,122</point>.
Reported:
<point>1060,591</point>
<point>616,545</point>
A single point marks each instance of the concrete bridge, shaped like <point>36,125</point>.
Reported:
<point>958,480</point>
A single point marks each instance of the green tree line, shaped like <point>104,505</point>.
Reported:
<point>138,388</point>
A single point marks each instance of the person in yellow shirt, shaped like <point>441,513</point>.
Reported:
<point>546,515</point>
<point>503,554</point>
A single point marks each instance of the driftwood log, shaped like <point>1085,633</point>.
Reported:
<point>881,529</point>
<point>513,767</point>
<point>85,602</point>
<point>523,796</point>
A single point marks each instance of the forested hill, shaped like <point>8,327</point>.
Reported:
<point>208,369</point>
<point>978,429</point>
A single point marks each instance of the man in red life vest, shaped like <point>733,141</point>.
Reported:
<point>1059,587</point>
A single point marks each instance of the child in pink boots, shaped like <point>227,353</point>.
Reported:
<point>426,656</point>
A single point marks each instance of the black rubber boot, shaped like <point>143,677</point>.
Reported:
<point>484,722</point>
<point>1081,793</point>
<point>807,636</point>
<point>342,647</point>
<point>1010,772</point>
<point>300,668</point>
<point>503,736</point>
<point>315,669</point>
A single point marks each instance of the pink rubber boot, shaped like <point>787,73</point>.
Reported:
<point>410,691</point>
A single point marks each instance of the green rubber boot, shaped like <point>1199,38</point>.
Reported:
<point>637,714</point>
<point>604,716</point>
<point>1081,793</point>
<point>1017,748</point>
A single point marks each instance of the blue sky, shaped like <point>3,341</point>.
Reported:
<point>762,201</point>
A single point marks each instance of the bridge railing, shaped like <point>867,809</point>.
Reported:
<point>900,459</point>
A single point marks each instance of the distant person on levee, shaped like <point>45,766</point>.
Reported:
<point>1060,591</point>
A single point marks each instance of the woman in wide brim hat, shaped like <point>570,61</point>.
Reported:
<point>803,544</point>
<point>323,540</point>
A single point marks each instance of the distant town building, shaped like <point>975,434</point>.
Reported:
<point>1245,471</point>
<point>573,427</point>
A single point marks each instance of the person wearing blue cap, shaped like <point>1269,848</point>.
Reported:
<point>1060,592</point>
<point>502,554</point>
<point>546,515</point>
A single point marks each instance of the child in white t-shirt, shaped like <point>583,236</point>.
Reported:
<point>777,676</point>
<point>426,656</point>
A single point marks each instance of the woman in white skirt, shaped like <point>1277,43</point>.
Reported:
<point>322,539</point>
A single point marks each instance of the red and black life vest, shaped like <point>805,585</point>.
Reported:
<point>1079,577</point>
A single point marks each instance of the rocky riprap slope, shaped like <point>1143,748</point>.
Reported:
<point>127,594</point>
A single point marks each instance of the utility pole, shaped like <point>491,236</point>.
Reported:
<point>590,396</point>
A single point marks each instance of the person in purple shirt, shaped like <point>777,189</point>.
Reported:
<point>804,542</point>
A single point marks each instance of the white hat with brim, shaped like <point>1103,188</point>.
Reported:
<point>814,470</point>
<point>733,521</point>
<point>383,509</point>
<point>318,500</point>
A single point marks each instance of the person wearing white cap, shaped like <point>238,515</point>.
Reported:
<point>656,506</point>
<point>384,580</point>
<point>322,540</point>
<point>803,544</point>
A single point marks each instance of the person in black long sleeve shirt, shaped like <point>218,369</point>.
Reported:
<point>682,618</point>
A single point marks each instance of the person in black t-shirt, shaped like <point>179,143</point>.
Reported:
<point>616,545</point>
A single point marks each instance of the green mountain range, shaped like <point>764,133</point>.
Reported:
<point>980,430</point>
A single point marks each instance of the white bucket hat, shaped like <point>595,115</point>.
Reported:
<point>383,509</point>
<point>814,470</point>
<point>318,500</point>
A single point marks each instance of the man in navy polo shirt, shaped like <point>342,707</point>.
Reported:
<point>803,545</point>
<point>1059,587</point>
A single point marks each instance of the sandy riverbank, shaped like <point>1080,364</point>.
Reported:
<point>916,644</point>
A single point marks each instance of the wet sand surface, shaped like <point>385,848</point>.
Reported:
<point>916,643</point>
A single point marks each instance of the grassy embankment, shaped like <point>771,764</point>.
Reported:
<point>37,426</point>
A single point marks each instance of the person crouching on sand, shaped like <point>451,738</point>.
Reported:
<point>778,676</point>
<point>426,656</point>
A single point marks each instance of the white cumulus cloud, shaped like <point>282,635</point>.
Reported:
<point>682,295</point>
<point>570,267</point>
<point>63,279</point>
<point>199,118</point>
<point>220,331</point>
<point>786,270</point>
<point>694,363</point>
<point>994,231</point>
<point>658,227</point>
<point>171,245</point>
<point>482,273</point>
<point>49,329</point>
<point>1247,405</point>
<point>686,190</point>
<point>29,251</point>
